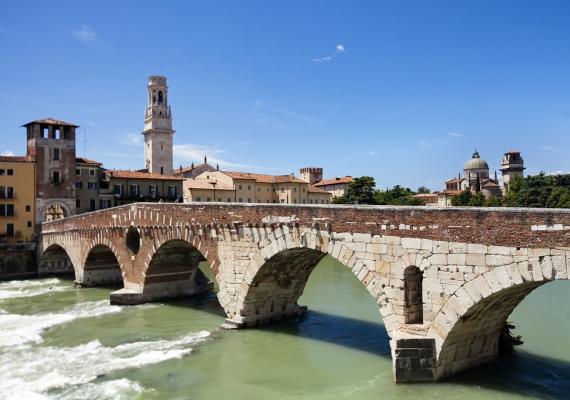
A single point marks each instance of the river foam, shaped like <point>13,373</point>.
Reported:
<point>30,288</point>
<point>17,329</point>
<point>35,372</point>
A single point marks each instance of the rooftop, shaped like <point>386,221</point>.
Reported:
<point>125,174</point>
<point>51,121</point>
<point>83,160</point>
<point>193,183</point>
<point>16,159</point>
<point>264,178</point>
<point>334,181</point>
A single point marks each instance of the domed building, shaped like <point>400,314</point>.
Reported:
<point>475,178</point>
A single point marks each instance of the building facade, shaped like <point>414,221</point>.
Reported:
<point>125,187</point>
<point>17,199</point>
<point>158,130</point>
<point>87,185</point>
<point>247,187</point>
<point>51,143</point>
<point>512,165</point>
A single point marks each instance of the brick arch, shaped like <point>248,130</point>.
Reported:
<point>118,255</point>
<point>267,294</point>
<point>172,269</point>
<point>47,266</point>
<point>468,326</point>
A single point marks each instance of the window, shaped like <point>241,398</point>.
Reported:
<point>2,172</point>
<point>294,201</point>
<point>92,205</point>
<point>152,191</point>
<point>118,189</point>
<point>240,200</point>
<point>9,192</point>
<point>240,187</point>
<point>92,185</point>
<point>28,208</point>
<point>9,229</point>
<point>2,210</point>
<point>248,187</point>
<point>55,178</point>
<point>77,171</point>
<point>229,200</point>
<point>413,302</point>
<point>198,199</point>
<point>259,189</point>
<point>209,199</point>
<point>10,172</point>
<point>2,192</point>
<point>304,190</point>
<point>29,224</point>
<point>161,170</point>
<point>282,190</point>
<point>311,201</point>
<point>91,172</point>
<point>9,210</point>
<point>78,185</point>
<point>294,189</point>
<point>45,132</point>
<point>249,200</point>
<point>57,134</point>
<point>172,191</point>
<point>56,154</point>
<point>134,190</point>
<point>282,201</point>
<point>77,203</point>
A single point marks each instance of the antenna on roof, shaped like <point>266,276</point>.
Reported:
<point>205,159</point>
<point>217,166</point>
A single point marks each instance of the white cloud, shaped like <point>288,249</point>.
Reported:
<point>262,109</point>
<point>132,139</point>
<point>339,49</point>
<point>455,135</point>
<point>559,172</point>
<point>7,153</point>
<point>84,34</point>
<point>424,143</point>
<point>372,153</point>
<point>549,148</point>
<point>187,153</point>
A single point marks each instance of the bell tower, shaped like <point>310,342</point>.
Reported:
<point>158,128</point>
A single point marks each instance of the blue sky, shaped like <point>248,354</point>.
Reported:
<point>399,90</point>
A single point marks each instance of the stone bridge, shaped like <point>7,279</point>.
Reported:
<point>445,279</point>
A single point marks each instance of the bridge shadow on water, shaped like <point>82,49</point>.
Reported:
<point>523,374</point>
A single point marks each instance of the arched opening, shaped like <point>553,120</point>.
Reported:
<point>413,301</point>
<point>54,212</point>
<point>474,339</point>
<point>55,261</point>
<point>133,240</point>
<point>160,97</point>
<point>101,268</point>
<point>174,271</point>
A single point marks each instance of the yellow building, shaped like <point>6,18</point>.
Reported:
<point>17,198</point>
<point>246,187</point>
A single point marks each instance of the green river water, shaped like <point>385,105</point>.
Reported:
<point>61,342</point>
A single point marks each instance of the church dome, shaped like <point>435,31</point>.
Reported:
<point>476,162</point>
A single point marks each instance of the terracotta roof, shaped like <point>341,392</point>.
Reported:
<point>452,192</point>
<point>314,189</point>
<point>490,184</point>
<point>206,184</point>
<point>194,171</point>
<point>51,121</point>
<point>456,180</point>
<point>424,195</point>
<point>16,159</point>
<point>334,181</point>
<point>264,178</point>
<point>82,160</point>
<point>124,174</point>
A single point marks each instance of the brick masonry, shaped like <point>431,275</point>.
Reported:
<point>476,265</point>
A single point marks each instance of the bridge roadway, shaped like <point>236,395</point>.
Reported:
<point>445,279</point>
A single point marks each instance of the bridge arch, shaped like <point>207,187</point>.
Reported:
<point>102,266</point>
<point>469,324</point>
<point>55,259</point>
<point>275,280</point>
<point>173,271</point>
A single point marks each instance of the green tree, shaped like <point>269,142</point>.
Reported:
<point>359,191</point>
<point>423,190</point>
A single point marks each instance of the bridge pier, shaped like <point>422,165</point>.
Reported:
<point>192,284</point>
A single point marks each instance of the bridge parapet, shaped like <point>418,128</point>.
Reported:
<point>445,280</point>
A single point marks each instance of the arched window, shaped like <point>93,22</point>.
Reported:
<point>160,97</point>
<point>413,302</point>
